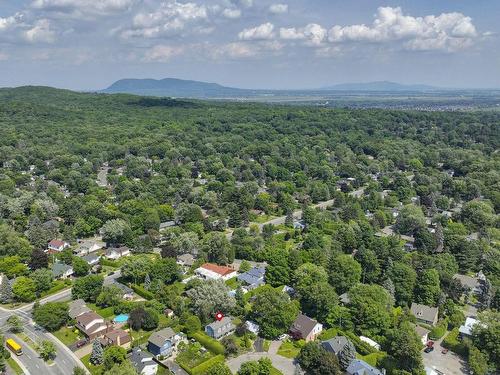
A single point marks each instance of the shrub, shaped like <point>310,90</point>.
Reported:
<point>213,345</point>
<point>142,292</point>
<point>109,263</point>
<point>438,331</point>
<point>453,343</point>
<point>362,347</point>
<point>203,367</point>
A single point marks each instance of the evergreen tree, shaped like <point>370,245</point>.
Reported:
<point>389,286</point>
<point>147,282</point>
<point>5,290</point>
<point>289,219</point>
<point>96,357</point>
<point>439,238</point>
<point>347,355</point>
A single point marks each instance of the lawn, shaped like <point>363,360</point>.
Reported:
<point>57,286</point>
<point>140,337</point>
<point>373,359</point>
<point>67,336</point>
<point>106,312</point>
<point>193,355</point>
<point>263,218</point>
<point>289,349</point>
<point>275,371</point>
<point>266,345</point>
<point>14,366</point>
<point>233,283</point>
<point>94,370</point>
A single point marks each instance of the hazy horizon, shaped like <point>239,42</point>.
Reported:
<point>253,44</point>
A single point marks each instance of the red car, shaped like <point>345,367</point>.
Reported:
<point>430,344</point>
<point>81,343</point>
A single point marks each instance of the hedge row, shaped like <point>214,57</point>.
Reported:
<point>203,367</point>
<point>212,345</point>
<point>142,292</point>
<point>109,263</point>
<point>362,347</point>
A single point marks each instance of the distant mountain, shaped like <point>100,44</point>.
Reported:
<point>379,86</point>
<point>175,88</point>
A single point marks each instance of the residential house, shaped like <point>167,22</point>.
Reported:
<point>163,342</point>
<point>61,271</point>
<point>185,260</point>
<point>117,337</point>
<point>91,325</point>
<point>359,367</point>
<point>77,308</point>
<point>143,362</point>
<point>92,259</point>
<point>305,328</point>
<point>210,271</point>
<point>115,253</point>
<point>85,247</point>
<point>425,314</point>
<point>169,313</point>
<point>252,327</point>
<point>344,299</point>
<point>465,330</point>
<point>471,284</point>
<point>423,333</point>
<point>220,328</point>
<point>128,293</point>
<point>56,246</point>
<point>335,344</point>
<point>253,278</point>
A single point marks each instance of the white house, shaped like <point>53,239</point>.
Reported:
<point>56,246</point>
<point>86,247</point>
<point>117,252</point>
<point>143,362</point>
<point>91,325</point>
<point>466,329</point>
<point>210,271</point>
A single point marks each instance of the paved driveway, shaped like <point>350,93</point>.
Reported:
<point>449,364</point>
<point>285,365</point>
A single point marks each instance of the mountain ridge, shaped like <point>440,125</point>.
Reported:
<point>176,87</point>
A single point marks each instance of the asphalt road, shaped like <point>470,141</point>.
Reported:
<point>281,220</point>
<point>65,360</point>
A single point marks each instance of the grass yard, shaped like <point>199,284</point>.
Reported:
<point>14,366</point>
<point>275,371</point>
<point>289,349</point>
<point>263,218</point>
<point>107,312</point>
<point>193,355</point>
<point>266,345</point>
<point>233,283</point>
<point>140,337</point>
<point>57,286</point>
<point>67,336</point>
<point>372,359</point>
<point>94,370</point>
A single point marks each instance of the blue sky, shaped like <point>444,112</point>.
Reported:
<point>88,44</point>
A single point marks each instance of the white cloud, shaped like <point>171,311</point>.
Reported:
<point>261,32</point>
<point>40,32</point>
<point>278,8</point>
<point>236,50</point>
<point>313,34</point>
<point>162,53</point>
<point>231,13</point>
<point>83,6</point>
<point>11,21</point>
<point>448,31</point>
<point>243,3</point>
<point>170,18</point>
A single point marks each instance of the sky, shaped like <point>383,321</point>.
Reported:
<point>272,44</point>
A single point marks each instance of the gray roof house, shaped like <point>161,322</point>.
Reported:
<point>253,278</point>
<point>425,314</point>
<point>91,259</point>
<point>77,308</point>
<point>61,270</point>
<point>359,367</point>
<point>335,345</point>
<point>143,362</point>
<point>470,283</point>
<point>185,260</point>
<point>220,328</point>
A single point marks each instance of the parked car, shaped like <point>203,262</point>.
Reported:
<point>429,349</point>
<point>444,351</point>
<point>430,344</point>
<point>81,343</point>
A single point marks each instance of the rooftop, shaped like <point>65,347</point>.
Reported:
<point>221,270</point>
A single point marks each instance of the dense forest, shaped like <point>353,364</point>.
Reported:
<point>414,202</point>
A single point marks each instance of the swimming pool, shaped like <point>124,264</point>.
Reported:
<point>122,318</point>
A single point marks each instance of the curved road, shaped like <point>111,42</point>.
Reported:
<point>65,360</point>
